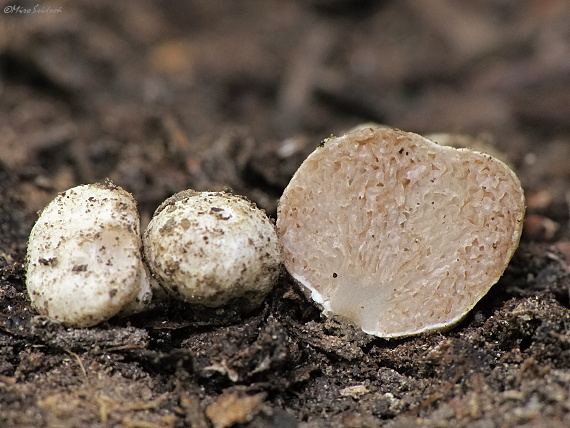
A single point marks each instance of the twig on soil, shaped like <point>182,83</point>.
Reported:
<point>120,348</point>
<point>223,369</point>
<point>73,354</point>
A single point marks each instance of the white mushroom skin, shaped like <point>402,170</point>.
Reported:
<point>396,234</point>
<point>212,247</point>
<point>84,261</point>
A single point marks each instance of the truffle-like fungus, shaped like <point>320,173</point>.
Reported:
<point>84,263</point>
<point>397,234</point>
<point>212,247</point>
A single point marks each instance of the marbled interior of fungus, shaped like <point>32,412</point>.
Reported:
<point>397,234</point>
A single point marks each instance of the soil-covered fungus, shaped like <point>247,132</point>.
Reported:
<point>212,247</point>
<point>84,263</point>
<point>396,234</point>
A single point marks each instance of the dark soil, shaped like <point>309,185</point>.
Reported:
<point>206,94</point>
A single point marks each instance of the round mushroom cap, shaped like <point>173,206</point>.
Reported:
<point>84,263</point>
<point>396,234</point>
<point>213,247</point>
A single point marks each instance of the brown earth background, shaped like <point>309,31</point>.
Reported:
<point>207,94</point>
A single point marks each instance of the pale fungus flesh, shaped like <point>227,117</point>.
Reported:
<point>210,248</point>
<point>84,262</point>
<point>396,234</point>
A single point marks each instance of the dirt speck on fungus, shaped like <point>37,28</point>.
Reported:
<point>166,96</point>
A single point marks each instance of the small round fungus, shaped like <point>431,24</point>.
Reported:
<point>212,247</point>
<point>396,234</point>
<point>84,261</point>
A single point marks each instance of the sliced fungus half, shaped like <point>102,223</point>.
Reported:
<point>396,234</point>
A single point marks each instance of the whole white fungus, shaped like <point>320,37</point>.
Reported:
<point>212,247</point>
<point>84,261</point>
<point>396,234</point>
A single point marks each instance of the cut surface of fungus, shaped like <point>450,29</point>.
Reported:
<point>84,263</point>
<point>396,234</point>
<point>212,247</point>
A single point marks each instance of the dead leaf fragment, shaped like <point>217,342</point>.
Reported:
<point>354,391</point>
<point>233,408</point>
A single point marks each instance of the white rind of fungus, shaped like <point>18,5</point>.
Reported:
<point>212,247</point>
<point>396,234</point>
<point>84,262</point>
